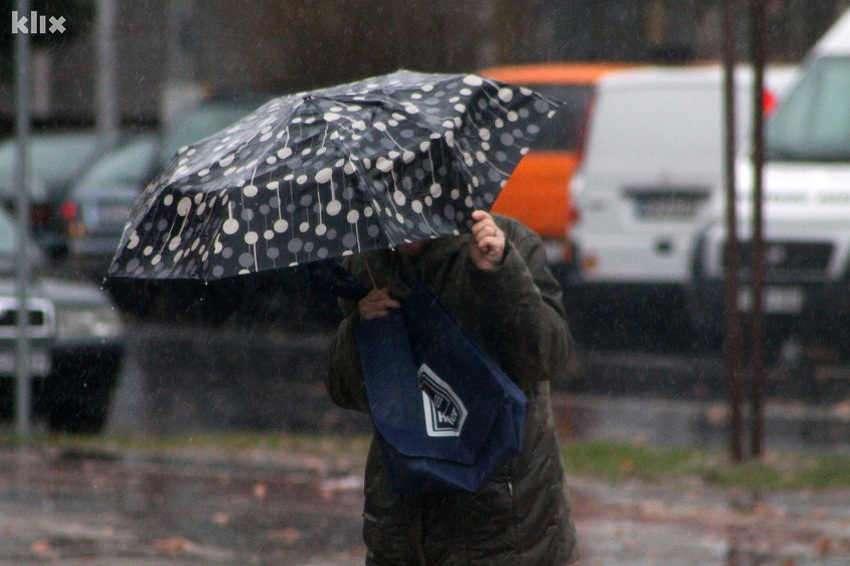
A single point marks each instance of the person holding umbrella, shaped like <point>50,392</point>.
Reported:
<point>395,174</point>
<point>495,284</point>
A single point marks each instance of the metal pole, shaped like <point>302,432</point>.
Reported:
<point>732,341</point>
<point>23,393</point>
<point>757,45</point>
<point>108,113</point>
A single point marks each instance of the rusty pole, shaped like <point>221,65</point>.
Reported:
<point>757,362</point>
<point>732,339</point>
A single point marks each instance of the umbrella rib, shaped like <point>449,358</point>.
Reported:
<point>398,107</point>
<point>343,149</point>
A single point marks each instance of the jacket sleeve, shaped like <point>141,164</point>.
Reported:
<point>525,308</point>
<point>344,379</point>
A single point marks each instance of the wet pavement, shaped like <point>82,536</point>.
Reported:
<point>284,507</point>
<point>116,508</point>
<point>123,507</point>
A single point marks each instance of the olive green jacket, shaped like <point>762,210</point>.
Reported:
<point>515,313</point>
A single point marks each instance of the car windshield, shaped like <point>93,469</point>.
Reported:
<point>130,161</point>
<point>52,158</point>
<point>200,123</point>
<point>561,133</point>
<point>813,124</point>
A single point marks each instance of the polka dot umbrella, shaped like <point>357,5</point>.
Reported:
<point>323,174</point>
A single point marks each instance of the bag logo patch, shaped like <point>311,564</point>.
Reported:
<point>445,413</point>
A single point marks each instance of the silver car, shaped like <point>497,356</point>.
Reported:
<point>77,344</point>
<point>96,207</point>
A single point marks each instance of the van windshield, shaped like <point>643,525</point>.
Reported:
<point>813,124</point>
<point>561,133</point>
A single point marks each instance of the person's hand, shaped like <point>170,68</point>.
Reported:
<point>488,242</point>
<point>377,304</point>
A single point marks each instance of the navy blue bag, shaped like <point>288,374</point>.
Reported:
<point>446,416</point>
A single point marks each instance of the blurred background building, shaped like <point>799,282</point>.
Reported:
<point>168,51</point>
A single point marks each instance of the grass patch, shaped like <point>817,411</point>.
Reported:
<point>616,463</point>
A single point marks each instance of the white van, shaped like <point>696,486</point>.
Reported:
<point>649,182</point>
<point>806,187</point>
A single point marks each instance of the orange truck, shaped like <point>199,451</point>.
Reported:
<point>537,192</point>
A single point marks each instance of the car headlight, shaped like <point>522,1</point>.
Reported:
<point>87,323</point>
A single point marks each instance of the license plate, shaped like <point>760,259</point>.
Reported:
<point>666,209</point>
<point>776,300</point>
<point>39,363</point>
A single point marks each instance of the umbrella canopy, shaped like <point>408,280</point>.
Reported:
<point>317,175</point>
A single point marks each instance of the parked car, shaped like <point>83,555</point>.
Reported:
<point>650,181</point>
<point>54,161</point>
<point>96,207</point>
<point>806,206</point>
<point>76,348</point>
<point>537,193</point>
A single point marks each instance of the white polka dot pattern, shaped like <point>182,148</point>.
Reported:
<point>329,173</point>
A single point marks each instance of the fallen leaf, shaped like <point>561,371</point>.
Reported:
<point>40,547</point>
<point>221,518</point>
<point>173,545</point>
<point>288,535</point>
<point>762,509</point>
<point>823,546</point>
<point>328,488</point>
<point>260,491</point>
<point>716,415</point>
<point>841,409</point>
